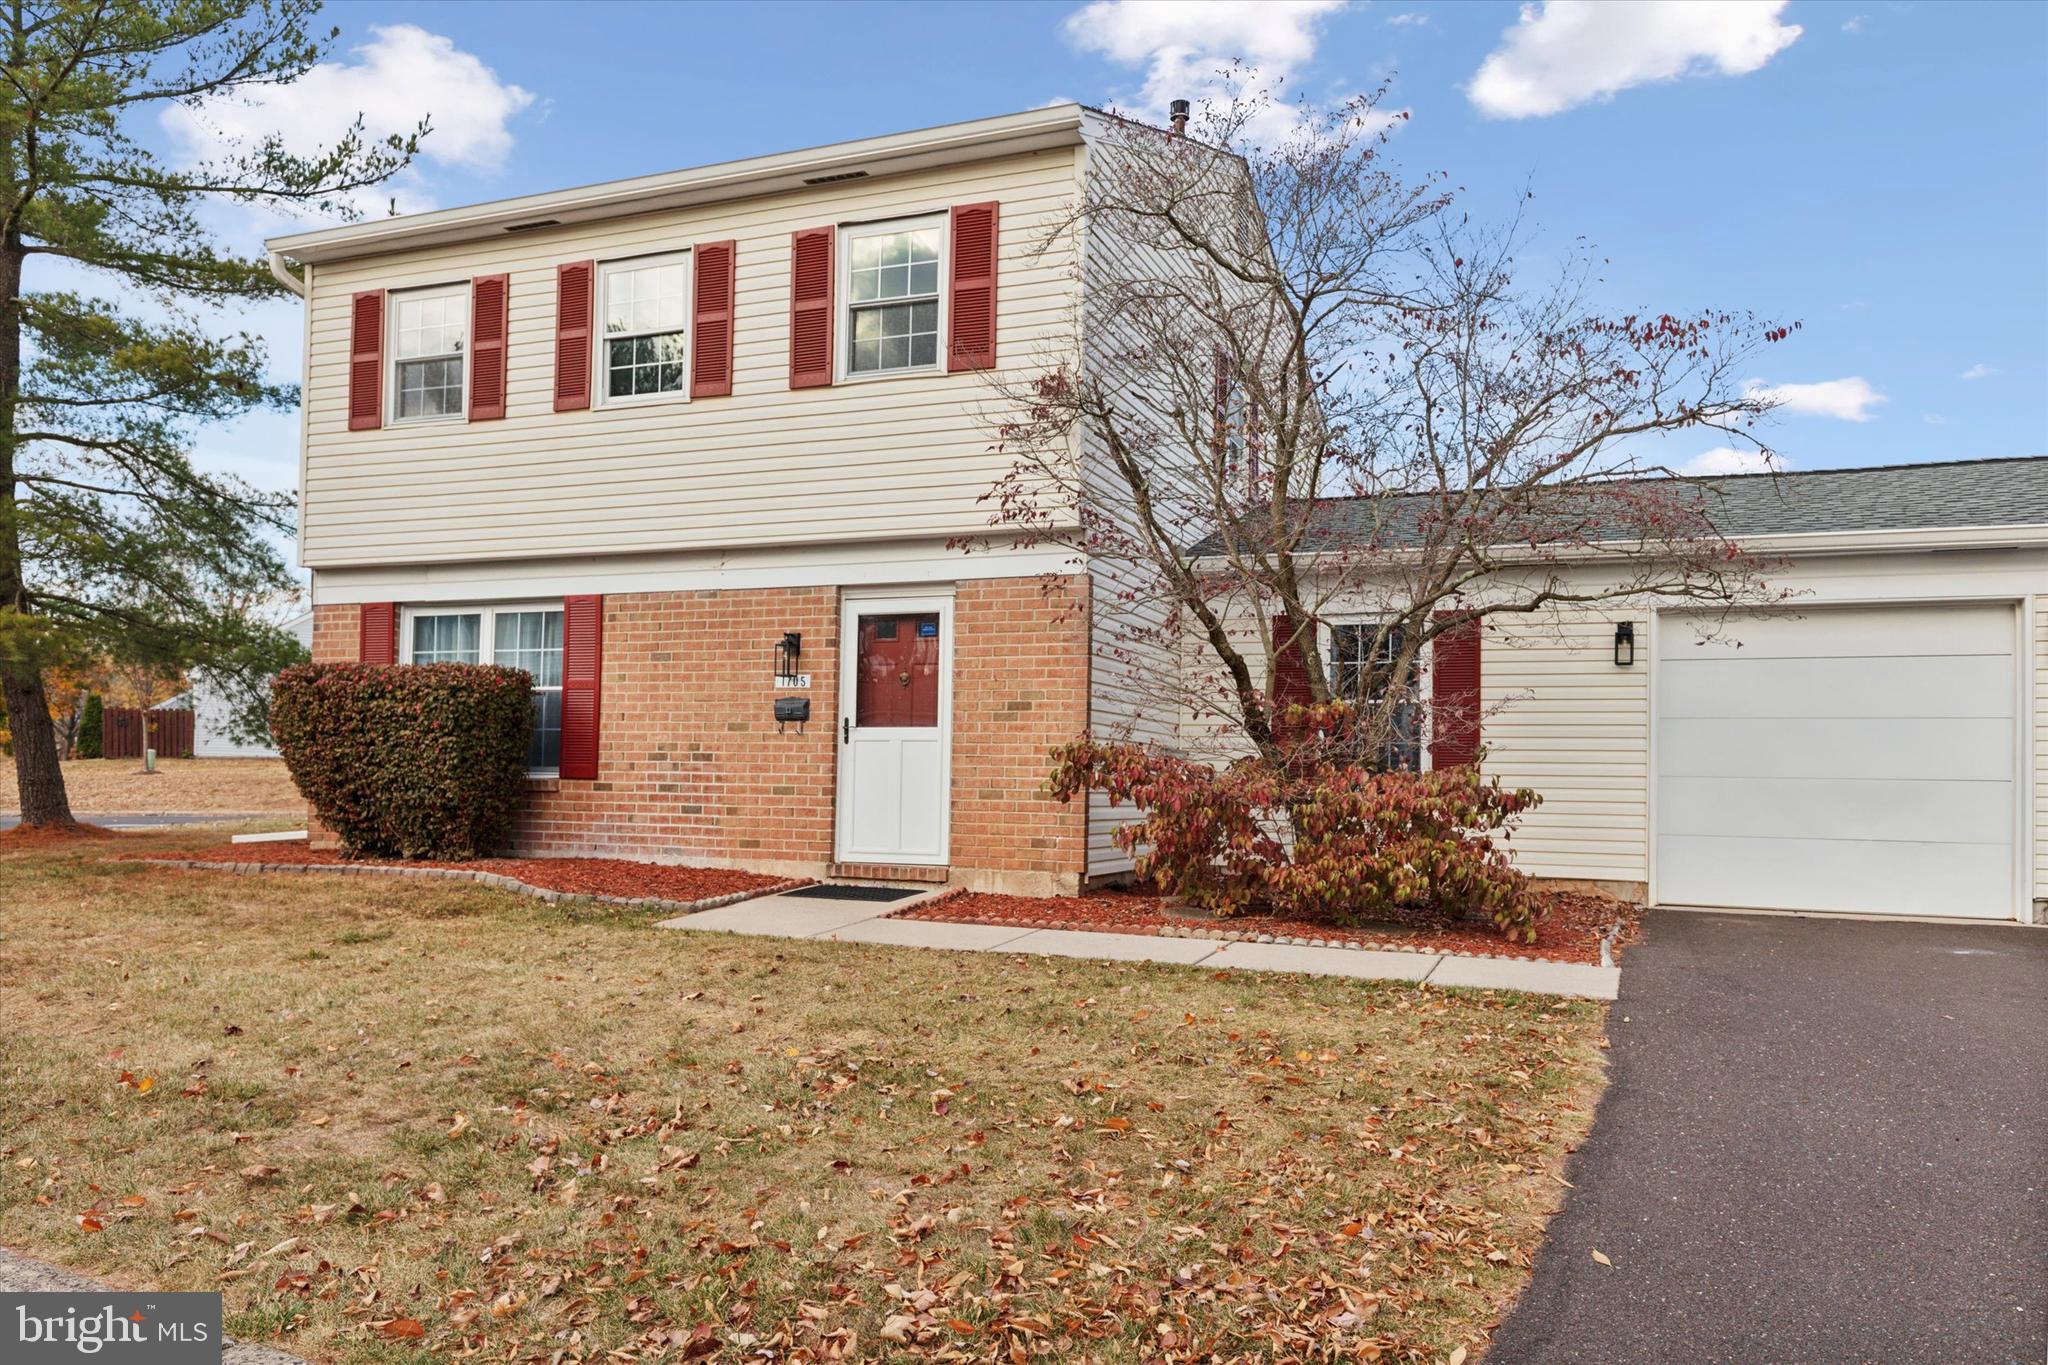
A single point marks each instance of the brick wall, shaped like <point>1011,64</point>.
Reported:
<point>337,633</point>
<point>691,767</point>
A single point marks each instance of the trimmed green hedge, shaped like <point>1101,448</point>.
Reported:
<point>411,761</point>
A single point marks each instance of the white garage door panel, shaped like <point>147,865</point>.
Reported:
<point>1865,876</point>
<point>1970,629</point>
<point>1833,808</point>
<point>1921,685</point>
<point>1925,750</point>
<point>1858,760</point>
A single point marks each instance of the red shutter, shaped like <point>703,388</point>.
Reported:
<point>1290,670</point>
<point>488,304</point>
<point>377,641</point>
<point>582,669</point>
<point>810,308</point>
<point>1454,694</point>
<point>971,312</point>
<point>572,335</point>
<point>712,304</point>
<point>366,361</point>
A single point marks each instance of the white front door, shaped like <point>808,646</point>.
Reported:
<point>1847,758</point>
<point>895,728</point>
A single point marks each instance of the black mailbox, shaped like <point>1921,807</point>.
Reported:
<point>797,709</point>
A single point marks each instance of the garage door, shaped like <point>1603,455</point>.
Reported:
<point>1856,759</point>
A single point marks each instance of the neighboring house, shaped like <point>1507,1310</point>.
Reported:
<point>1879,747</point>
<point>636,437</point>
<point>213,729</point>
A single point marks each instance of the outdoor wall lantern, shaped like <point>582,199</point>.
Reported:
<point>787,653</point>
<point>1625,644</point>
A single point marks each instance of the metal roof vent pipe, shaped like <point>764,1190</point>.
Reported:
<point>1177,114</point>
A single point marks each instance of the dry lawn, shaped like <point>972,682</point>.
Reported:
<point>401,1121</point>
<point>180,785</point>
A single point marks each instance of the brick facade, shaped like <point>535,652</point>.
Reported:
<point>691,767</point>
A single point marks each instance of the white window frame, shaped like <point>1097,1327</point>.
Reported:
<point>600,362</point>
<point>1425,663</point>
<point>487,634</point>
<point>465,290</point>
<point>843,305</point>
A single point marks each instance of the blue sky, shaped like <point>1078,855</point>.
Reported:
<point>1877,171</point>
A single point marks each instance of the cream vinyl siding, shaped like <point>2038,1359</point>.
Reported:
<point>882,458</point>
<point>1136,677</point>
<point>2039,607</point>
<point>1560,717</point>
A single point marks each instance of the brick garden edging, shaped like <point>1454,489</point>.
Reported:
<point>496,880</point>
<point>1309,941</point>
<point>1237,935</point>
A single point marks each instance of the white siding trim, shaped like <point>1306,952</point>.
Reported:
<point>796,566</point>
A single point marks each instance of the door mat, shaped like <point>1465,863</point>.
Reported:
<point>825,892</point>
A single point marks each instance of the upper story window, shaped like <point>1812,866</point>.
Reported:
<point>646,313</point>
<point>429,343</point>
<point>528,637</point>
<point>891,288</point>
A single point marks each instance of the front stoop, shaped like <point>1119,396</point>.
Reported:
<point>889,872</point>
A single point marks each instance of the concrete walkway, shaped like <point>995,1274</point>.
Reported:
<point>786,916</point>
<point>21,1274</point>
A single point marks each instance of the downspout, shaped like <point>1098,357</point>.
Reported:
<point>284,275</point>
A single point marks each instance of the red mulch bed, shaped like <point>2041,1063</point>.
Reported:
<point>46,836</point>
<point>573,876</point>
<point>1570,932</point>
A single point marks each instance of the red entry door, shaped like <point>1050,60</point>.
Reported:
<point>892,732</point>
<point>899,671</point>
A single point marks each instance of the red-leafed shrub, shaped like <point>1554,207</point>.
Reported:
<point>1312,838</point>
<point>413,761</point>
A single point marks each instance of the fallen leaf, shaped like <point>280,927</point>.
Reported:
<point>461,1123</point>
<point>1601,1257</point>
<point>401,1329</point>
<point>1458,1357</point>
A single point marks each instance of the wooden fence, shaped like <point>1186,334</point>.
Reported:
<point>125,731</point>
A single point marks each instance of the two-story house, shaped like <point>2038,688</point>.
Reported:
<point>693,449</point>
<point>690,448</point>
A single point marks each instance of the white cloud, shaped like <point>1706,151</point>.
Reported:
<point>1410,18</point>
<point>1729,460</point>
<point>1849,400</point>
<point>1980,371</point>
<point>401,75</point>
<point>1564,53</point>
<point>1854,23</point>
<point>1184,45</point>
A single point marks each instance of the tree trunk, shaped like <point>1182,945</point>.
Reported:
<point>35,751</point>
<point>37,771</point>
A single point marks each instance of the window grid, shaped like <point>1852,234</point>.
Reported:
<point>1358,673</point>
<point>646,327</point>
<point>892,290</point>
<point>430,336</point>
<point>521,637</point>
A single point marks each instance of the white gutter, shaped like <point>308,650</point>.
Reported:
<point>2020,536</point>
<point>284,274</point>
<point>950,144</point>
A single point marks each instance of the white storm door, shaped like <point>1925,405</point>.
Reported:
<point>895,729</point>
<point>1859,759</point>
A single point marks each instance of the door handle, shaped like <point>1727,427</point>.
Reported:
<point>846,729</point>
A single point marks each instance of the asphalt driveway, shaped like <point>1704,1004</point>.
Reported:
<point>1825,1140</point>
